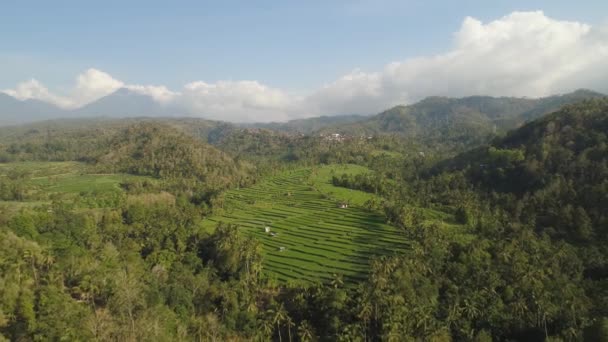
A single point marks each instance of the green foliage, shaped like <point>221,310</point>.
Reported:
<point>504,242</point>
<point>319,238</point>
<point>458,123</point>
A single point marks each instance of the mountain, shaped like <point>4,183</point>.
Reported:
<point>459,121</point>
<point>13,111</point>
<point>455,120</point>
<point>125,103</point>
<point>309,125</point>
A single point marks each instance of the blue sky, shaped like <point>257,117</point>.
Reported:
<point>296,45</point>
<point>293,47</point>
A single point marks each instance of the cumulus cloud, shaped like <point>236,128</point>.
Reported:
<point>90,85</point>
<point>237,101</point>
<point>159,93</point>
<point>34,90</point>
<point>521,54</point>
<point>94,84</point>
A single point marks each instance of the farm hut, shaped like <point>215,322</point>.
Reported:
<point>281,249</point>
<point>343,205</point>
<point>267,229</point>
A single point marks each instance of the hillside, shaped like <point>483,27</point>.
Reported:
<point>165,149</point>
<point>311,238</point>
<point>157,150</point>
<point>125,103</point>
<point>309,125</point>
<point>459,121</point>
<point>556,167</point>
<point>13,111</point>
<point>142,222</point>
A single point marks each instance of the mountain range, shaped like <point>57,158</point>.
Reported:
<point>120,104</point>
<point>467,120</point>
<point>433,118</point>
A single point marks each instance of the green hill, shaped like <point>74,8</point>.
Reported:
<point>556,167</point>
<point>459,121</point>
<point>160,151</point>
<point>308,125</point>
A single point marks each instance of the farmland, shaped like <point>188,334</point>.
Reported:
<point>40,182</point>
<point>311,237</point>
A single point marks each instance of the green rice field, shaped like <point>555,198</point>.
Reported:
<point>42,181</point>
<point>311,237</point>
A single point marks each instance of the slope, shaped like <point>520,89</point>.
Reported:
<point>459,121</point>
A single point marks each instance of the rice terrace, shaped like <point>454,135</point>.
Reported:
<point>309,232</point>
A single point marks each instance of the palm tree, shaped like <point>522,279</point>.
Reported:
<point>337,281</point>
<point>278,315</point>
<point>267,328</point>
<point>290,324</point>
<point>305,331</point>
<point>365,314</point>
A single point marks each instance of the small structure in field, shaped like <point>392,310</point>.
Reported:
<point>343,205</point>
<point>267,229</point>
<point>281,249</point>
<point>273,234</point>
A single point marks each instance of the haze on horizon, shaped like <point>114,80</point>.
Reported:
<point>286,60</point>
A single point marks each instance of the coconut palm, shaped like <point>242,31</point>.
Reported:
<point>278,315</point>
<point>305,331</point>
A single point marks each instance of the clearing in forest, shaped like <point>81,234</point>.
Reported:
<point>311,237</point>
<point>40,182</point>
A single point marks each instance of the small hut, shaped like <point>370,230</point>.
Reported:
<point>267,229</point>
<point>281,249</point>
<point>343,205</point>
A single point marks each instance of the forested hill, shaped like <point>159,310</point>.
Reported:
<point>158,150</point>
<point>459,121</point>
<point>166,149</point>
<point>552,171</point>
<point>309,125</point>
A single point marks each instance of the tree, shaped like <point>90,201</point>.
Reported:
<point>305,331</point>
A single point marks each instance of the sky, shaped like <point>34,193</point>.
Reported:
<point>276,60</point>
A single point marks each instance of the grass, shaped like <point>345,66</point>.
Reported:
<point>67,179</point>
<point>41,169</point>
<point>320,239</point>
<point>76,183</point>
<point>321,179</point>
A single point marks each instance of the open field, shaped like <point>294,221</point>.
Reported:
<point>320,239</point>
<point>40,181</point>
<point>321,180</point>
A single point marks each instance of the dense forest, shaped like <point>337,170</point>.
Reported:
<point>459,123</point>
<point>506,230</point>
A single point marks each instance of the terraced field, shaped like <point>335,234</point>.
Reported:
<point>313,237</point>
<point>68,181</point>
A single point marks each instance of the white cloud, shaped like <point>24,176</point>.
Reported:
<point>521,54</point>
<point>237,101</point>
<point>92,85</point>
<point>159,93</point>
<point>34,90</point>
